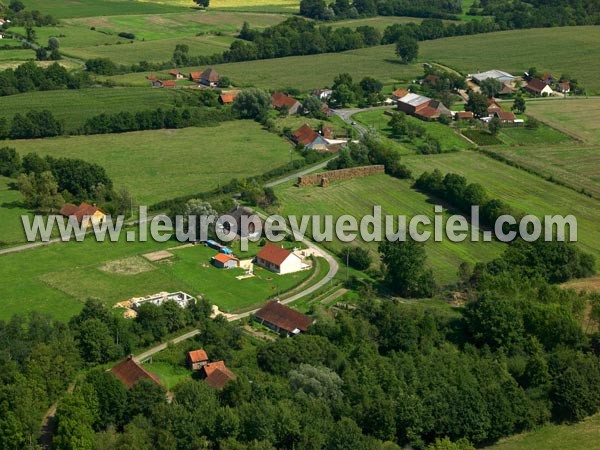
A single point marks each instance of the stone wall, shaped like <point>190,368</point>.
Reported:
<point>323,179</point>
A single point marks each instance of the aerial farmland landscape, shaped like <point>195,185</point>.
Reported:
<point>300,224</point>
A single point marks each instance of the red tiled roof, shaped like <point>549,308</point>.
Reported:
<point>565,85</point>
<point>217,374</point>
<point>129,372</point>
<point>210,75</point>
<point>196,356</point>
<point>280,100</point>
<point>506,116</point>
<point>494,107</point>
<point>536,85</point>
<point>399,93</point>
<point>228,98</point>
<point>284,317</point>
<point>305,135</point>
<point>152,78</point>
<point>223,258</point>
<point>174,72</point>
<point>464,115</point>
<point>85,209</point>
<point>195,76</point>
<point>167,83</point>
<point>273,254</point>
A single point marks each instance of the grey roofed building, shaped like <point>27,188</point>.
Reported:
<point>414,99</point>
<point>503,77</point>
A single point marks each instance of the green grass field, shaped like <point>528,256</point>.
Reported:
<point>571,162</point>
<point>259,6</point>
<point>580,436</point>
<point>308,72</point>
<point>163,164</point>
<point>357,197</point>
<point>75,106</point>
<point>88,8</point>
<point>58,278</point>
<point>570,50</point>
<point>523,191</point>
<point>450,140</point>
<point>10,213</point>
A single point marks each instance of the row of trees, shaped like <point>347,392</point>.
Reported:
<point>346,9</point>
<point>155,119</point>
<point>32,125</point>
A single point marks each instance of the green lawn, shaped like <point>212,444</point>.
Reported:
<point>75,106</point>
<point>444,133</point>
<point>164,164</point>
<point>10,214</point>
<point>357,198</point>
<point>170,375</point>
<point>580,436</point>
<point>58,278</point>
<point>523,191</point>
<point>88,8</point>
<point>571,50</point>
<point>524,136</point>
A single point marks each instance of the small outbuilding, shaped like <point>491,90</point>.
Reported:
<point>130,372</point>
<point>283,319</point>
<point>224,261</point>
<point>217,375</point>
<point>197,359</point>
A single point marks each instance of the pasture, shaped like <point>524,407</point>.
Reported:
<point>62,9</point>
<point>524,192</point>
<point>257,6</point>
<point>11,210</point>
<point>58,278</point>
<point>75,106</point>
<point>164,164</point>
<point>357,198</point>
<point>307,72</point>
<point>579,436</point>
<point>571,162</point>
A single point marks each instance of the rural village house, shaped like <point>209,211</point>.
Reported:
<point>308,137</point>
<point>130,372</point>
<point>538,87</point>
<point>281,101</point>
<point>283,319</point>
<point>501,76</point>
<point>463,115</point>
<point>176,74</point>
<point>85,214</point>
<point>279,260</point>
<point>210,77</point>
<point>227,98</point>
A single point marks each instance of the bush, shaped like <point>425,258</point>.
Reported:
<point>358,258</point>
<point>127,35</point>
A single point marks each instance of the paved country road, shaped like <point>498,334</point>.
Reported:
<point>148,353</point>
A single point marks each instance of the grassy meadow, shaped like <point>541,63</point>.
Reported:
<point>164,164</point>
<point>10,213</point>
<point>357,198</point>
<point>62,9</point>
<point>75,106</point>
<point>572,162</point>
<point>524,192</point>
<point>579,436</point>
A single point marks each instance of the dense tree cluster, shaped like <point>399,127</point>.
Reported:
<point>40,357</point>
<point>31,77</point>
<point>346,92</point>
<point>370,150</point>
<point>32,125</point>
